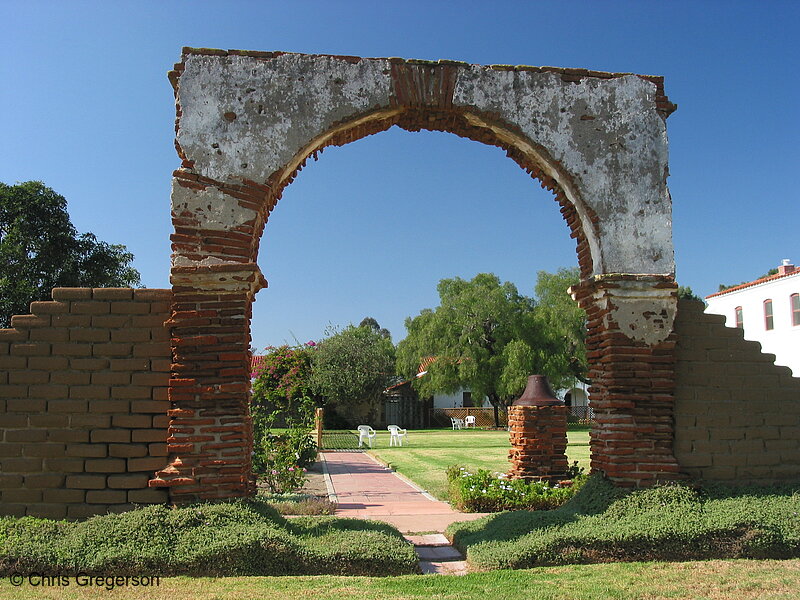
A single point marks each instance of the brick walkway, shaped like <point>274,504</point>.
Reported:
<point>365,489</point>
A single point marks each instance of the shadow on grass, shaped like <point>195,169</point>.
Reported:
<point>593,498</point>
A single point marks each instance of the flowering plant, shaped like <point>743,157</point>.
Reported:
<point>278,463</point>
<point>282,398</point>
<point>484,491</point>
<point>281,389</point>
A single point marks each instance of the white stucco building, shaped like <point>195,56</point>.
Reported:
<point>768,310</point>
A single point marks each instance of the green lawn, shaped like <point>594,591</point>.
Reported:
<point>715,579</point>
<point>427,453</point>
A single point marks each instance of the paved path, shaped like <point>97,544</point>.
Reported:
<point>365,489</point>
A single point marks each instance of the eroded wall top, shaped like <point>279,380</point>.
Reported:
<point>602,136</point>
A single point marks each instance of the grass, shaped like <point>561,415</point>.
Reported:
<point>606,524</point>
<point>427,453</point>
<point>712,580</point>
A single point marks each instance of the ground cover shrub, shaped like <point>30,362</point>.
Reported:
<point>299,504</point>
<point>355,547</point>
<point>228,538</point>
<point>484,491</point>
<point>603,524</point>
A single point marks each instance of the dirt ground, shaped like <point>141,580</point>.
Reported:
<point>315,482</point>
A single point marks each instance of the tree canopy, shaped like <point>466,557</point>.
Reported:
<point>686,293</point>
<point>351,368</point>
<point>40,249</point>
<point>488,337</point>
<point>563,327</point>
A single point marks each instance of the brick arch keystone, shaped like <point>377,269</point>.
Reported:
<point>248,121</point>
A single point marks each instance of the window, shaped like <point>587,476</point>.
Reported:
<point>739,320</point>
<point>795,309</point>
<point>769,322</point>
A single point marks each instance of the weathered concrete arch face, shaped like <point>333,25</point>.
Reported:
<point>247,121</point>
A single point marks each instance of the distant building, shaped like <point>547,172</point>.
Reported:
<point>768,310</point>
<point>402,402</point>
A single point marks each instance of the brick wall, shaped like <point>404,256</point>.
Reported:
<point>83,402</point>
<point>737,415</point>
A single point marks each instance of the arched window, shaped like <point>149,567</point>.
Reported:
<point>769,322</point>
<point>739,319</point>
<point>795,302</point>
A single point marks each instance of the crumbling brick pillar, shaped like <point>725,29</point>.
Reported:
<point>631,353</point>
<point>210,432</point>
<point>539,442</point>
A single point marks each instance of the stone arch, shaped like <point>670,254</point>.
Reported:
<point>534,160</point>
<point>248,121</point>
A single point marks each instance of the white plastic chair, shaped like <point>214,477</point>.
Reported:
<point>457,423</point>
<point>469,420</point>
<point>397,435</point>
<point>365,432</point>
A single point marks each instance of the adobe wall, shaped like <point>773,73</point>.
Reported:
<point>83,403</point>
<point>737,415</point>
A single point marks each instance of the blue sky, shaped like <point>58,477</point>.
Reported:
<point>369,229</point>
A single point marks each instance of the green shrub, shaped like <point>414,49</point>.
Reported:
<point>484,491</point>
<point>354,547</point>
<point>604,524</point>
<point>282,460</point>
<point>230,538</point>
<point>282,397</point>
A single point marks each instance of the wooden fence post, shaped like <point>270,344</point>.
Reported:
<point>318,415</point>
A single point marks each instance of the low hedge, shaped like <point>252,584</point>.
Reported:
<point>231,538</point>
<point>604,524</point>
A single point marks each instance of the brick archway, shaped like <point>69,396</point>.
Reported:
<point>247,122</point>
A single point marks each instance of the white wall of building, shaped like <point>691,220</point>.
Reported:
<point>784,340</point>
<point>455,400</point>
<point>580,397</point>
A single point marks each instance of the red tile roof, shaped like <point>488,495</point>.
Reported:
<point>742,286</point>
<point>421,370</point>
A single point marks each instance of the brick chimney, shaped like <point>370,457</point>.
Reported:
<point>786,267</point>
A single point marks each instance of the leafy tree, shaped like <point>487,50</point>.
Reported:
<point>40,249</point>
<point>488,337</point>
<point>686,293</point>
<point>351,368</point>
<point>481,336</point>
<point>563,327</point>
<point>372,324</point>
